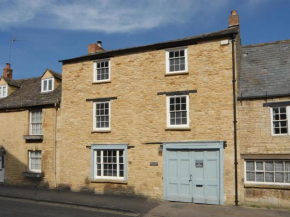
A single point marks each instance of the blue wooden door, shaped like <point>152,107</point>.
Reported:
<point>193,176</point>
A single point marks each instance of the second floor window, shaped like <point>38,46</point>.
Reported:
<point>280,121</point>
<point>176,60</point>
<point>178,111</point>
<point>36,122</point>
<point>3,91</point>
<point>101,116</point>
<point>102,70</point>
<point>47,85</point>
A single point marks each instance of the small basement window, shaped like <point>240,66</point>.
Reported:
<point>267,172</point>
<point>47,85</point>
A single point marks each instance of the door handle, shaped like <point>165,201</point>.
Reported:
<point>190,178</point>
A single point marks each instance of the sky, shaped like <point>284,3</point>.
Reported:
<point>47,31</point>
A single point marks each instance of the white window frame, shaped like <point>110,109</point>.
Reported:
<point>30,162</point>
<point>263,183</point>
<point>95,70</point>
<point>2,95</point>
<point>185,59</point>
<point>100,129</point>
<point>102,165</point>
<point>168,112</point>
<point>288,121</point>
<point>30,122</point>
<point>43,90</point>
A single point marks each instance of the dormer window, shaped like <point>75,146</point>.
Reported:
<point>47,84</point>
<point>3,91</point>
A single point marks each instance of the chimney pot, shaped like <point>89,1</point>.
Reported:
<point>93,48</point>
<point>234,19</point>
<point>7,71</point>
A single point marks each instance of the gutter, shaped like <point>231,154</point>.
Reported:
<point>235,120</point>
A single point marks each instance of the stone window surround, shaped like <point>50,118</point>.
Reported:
<point>43,90</point>
<point>2,91</point>
<point>96,147</point>
<point>167,51</point>
<point>95,71</point>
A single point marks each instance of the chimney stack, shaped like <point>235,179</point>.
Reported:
<point>7,71</point>
<point>234,19</point>
<point>93,48</point>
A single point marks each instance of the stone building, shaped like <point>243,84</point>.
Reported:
<point>264,100</point>
<point>29,112</point>
<point>155,120</point>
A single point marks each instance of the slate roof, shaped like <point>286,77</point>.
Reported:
<point>265,70</point>
<point>161,45</point>
<point>29,94</point>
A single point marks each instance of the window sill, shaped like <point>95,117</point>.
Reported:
<point>177,129</point>
<point>101,131</point>
<point>109,181</point>
<point>176,73</point>
<point>32,174</point>
<point>267,186</point>
<point>101,82</point>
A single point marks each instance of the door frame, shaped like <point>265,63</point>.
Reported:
<point>3,166</point>
<point>195,145</point>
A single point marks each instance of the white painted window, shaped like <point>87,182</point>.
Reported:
<point>267,172</point>
<point>36,122</point>
<point>176,60</point>
<point>3,91</point>
<point>102,117</point>
<point>47,84</point>
<point>279,120</point>
<point>102,70</point>
<point>178,111</point>
<point>109,164</point>
<point>35,161</point>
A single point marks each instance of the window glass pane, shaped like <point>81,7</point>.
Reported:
<point>182,67</point>
<point>250,166</point>
<point>279,177</point>
<point>259,165</point>
<point>250,176</point>
<point>269,166</point>
<point>283,130</point>
<point>279,166</point>
<point>171,54</point>
<point>259,177</point>
<point>45,85</point>
<point>50,84</point>
<point>282,109</point>
<point>269,177</point>
<point>182,53</point>
<point>287,166</point>
<point>287,177</point>
<point>176,54</point>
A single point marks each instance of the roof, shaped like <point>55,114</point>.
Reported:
<point>265,70</point>
<point>29,95</point>
<point>54,73</point>
<point>161,45</point>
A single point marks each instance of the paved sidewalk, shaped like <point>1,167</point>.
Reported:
<point>137,205</point>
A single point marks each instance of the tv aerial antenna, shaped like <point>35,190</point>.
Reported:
<point>12,41</point>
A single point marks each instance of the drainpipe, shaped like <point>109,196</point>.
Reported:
<point>235,121</point>
<point>56,105</point>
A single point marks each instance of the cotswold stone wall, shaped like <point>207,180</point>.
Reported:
<point>14,125</point>
<point>138,115</point>
<point>257,142</point>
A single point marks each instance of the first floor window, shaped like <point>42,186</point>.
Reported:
<point>36,122</point>
<point>280,120</point>
<point>178,111</point>
<point>268,171</point>
<point>102,70</point>
<point>35,161</point>
<point>3,91</point>
<point>109,161</point>
<point>102,116</point>
<point>47,84</point>
<point>176,60</point>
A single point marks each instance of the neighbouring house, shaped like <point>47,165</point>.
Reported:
<point>264,135</point>
<point>29,112</point>
<point>155,120</point>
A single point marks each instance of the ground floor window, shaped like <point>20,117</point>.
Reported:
<point>268,171</point>
<point>109,162</point>
<point>35,161</point>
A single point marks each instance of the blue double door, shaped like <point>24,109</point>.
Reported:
<point>193,176</point>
